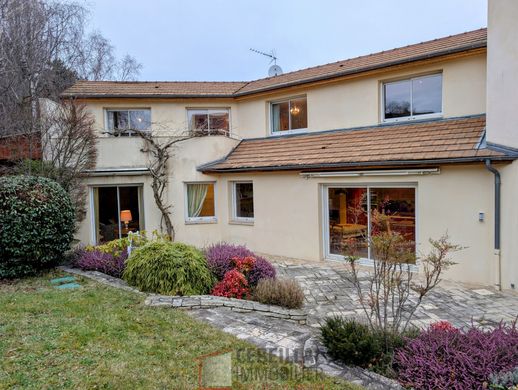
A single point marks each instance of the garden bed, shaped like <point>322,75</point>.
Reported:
<point>196,301</point>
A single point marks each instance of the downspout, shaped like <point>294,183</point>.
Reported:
<point>498,182</point>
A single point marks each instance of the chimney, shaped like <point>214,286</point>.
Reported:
<point>502,73</point>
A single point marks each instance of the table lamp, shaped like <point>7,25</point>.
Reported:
<point>126,217</point>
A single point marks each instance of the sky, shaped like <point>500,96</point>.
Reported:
<point>209,40</point>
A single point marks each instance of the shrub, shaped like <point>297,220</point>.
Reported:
<point>233,285</point>
<point>220,258</point>
<point>98,260</point>
<point>281,292</point>
<point>36,224</point>
<point>262,269</point>
<point>168,268</point>
<point>460,359</point>
<point>350,341</point>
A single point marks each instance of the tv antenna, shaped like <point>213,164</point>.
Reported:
<point>274,70</point>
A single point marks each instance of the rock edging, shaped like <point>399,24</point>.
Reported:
<point>238,305</point>
<point>195,301</point>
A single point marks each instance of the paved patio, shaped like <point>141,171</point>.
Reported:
<point>328,292</point>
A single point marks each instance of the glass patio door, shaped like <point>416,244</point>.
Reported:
<point>117,211</point>
<point>353,215</point>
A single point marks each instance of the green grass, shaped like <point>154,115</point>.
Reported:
<point>101,337</point>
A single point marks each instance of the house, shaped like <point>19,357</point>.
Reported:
<point>290,165</point>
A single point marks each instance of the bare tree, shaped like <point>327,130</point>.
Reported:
<point>68,142</point>
<point>390,292</point>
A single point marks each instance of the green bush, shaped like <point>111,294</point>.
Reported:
<point>169,268</point>
<point>36,224</point>
<point>350,341</point>
<point>281,292</point>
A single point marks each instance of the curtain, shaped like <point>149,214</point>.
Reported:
<point>196,194</point>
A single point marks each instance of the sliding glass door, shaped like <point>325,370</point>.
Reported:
<point>353,215</point>
<point>117,211</point>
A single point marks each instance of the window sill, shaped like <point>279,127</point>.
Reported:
<point>241,222</point>
<point>413,118</point>
<point>288,132</point>
<point>201,221</point>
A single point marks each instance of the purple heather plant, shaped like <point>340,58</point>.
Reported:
<point>220,260</point>
<point>457,359</point>
<point>96,260</point>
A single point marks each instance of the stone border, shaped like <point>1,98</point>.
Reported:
<point>238,305</point>
<point>195,301</point>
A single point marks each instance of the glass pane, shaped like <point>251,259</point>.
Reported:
<point>348,221</point>
<point>397,99</point>
<point>281,116</point>
<point>299,114</point>
<point>198,120</point>
<point>118,120</point>
<point>427,95</point>
<point>218,120</point>
<point>140,120</point>
<point>129,209</point>
<point>200,200</point>
<point>393,211</point>
<point>107,214</point>
<point>244,200</point>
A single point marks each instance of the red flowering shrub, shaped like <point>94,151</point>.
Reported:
<point>244,264</point>
<point>443,325</point>
<point>461,359</point>
<point>233,285</point>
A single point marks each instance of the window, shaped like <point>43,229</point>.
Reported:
<point>289,115</point>
<point>243,201</point>
<point>200,202</point>
<point>117,211</point>
<point>209,121</point>
<point>412,98</point>
<point>121,122</point>
<point>355,215</point>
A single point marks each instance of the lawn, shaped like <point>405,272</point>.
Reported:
<point>101,337</point>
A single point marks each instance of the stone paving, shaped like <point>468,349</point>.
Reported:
<point>328,292</point>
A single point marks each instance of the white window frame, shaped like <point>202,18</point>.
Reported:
<point>129,132</point>
<point>411,117</point>
<point>199,220</point>
<point>234,216</point>
<point>325,218</point>
<point>287,132</point>
<point>208,109</point>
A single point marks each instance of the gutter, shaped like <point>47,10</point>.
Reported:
<point>498,183</point>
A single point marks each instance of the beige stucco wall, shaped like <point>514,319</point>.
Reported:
<point>357,102</point>
<point>288,214</point>
<point>502,77</point>
<point>509,225</point>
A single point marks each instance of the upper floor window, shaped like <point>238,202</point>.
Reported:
<point>122,122</point>
<point>209,121</point>
<point>289,115</point>
<point>412,98</point>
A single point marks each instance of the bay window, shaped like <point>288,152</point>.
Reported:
<point>412,98</point>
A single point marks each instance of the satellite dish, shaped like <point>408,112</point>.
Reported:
<point>275,70</point>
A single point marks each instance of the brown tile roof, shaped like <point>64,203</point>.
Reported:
<point>434,141</point>
<point>99,89</point>
<point>424,50</point>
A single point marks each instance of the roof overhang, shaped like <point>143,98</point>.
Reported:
<point>137,171</point>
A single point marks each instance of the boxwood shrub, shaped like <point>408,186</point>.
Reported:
<point>170,268</point>
<point>36,224</point>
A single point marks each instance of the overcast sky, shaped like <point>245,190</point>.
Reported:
<point>206,40</point>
